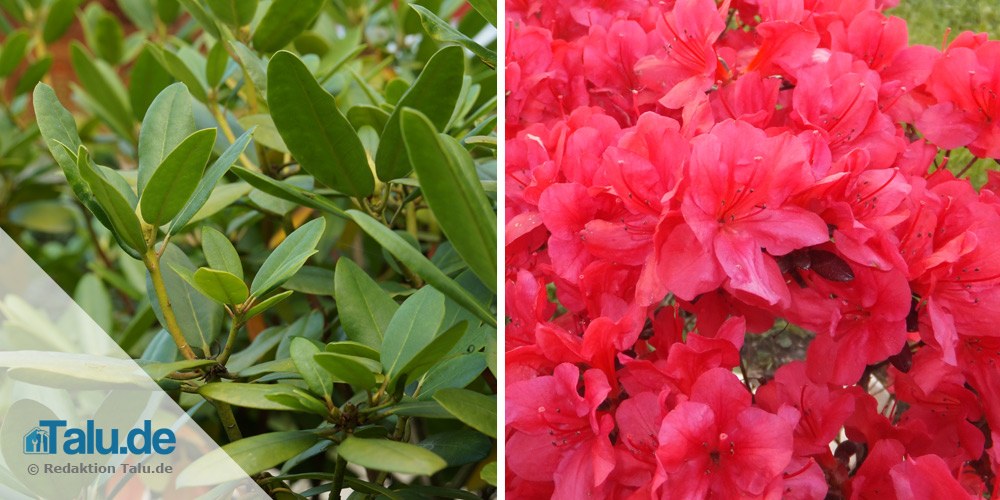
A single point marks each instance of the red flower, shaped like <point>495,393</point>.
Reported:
<point>718,444</point>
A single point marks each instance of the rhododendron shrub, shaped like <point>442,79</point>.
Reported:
<point>685,175</point>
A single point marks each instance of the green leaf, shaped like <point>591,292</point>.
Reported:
<point>139,12</point>
<point>476,410</point>
<point>458,447</point>
<point>390,456</point>
<point>453,373</point>
<point>411,329</point>
<point>312,280</point>
<point>198,318</point>
<point>352,348</point>
<point>247,395</point>
<point>109,38</point>
<point>207,184</point>
<point>159,371</point>
<point>413,259</point>
<point>14,49</point>
<point>155,78</point>
<point>220,286</point>
<point>198,12</point>
<point>489,473</point>
<point>235,13</point>
<point>268,303</point>
<point>302,400</point>
<point>302,351</point>
<point>433,352</point>
<point>123,221</point>
<point>288,257</point>
<point>487,9</point>
<point>283,21</point>
<point>364,308</point>
<point>167,123</point>
<point>252,65</point>
<point>314,129</point>
<point>60,18</point>
<point>347,369</point>
<point>93,297</point>
<point>435,94</point>
<point>220,252</point>
<point>254,454</point>
<point>34,74</point>
<point>288,191</point>
<point>216,64</point>
<point>440,30</point>
<point>362,115</point>
<point>181,71</point>
<point>448,183</point>
<point>103,86</point>
<point>175,180</point>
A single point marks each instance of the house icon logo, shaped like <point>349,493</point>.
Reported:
<point>38,441</point>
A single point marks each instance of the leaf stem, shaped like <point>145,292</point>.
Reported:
<point>228,420</point>
<point>152,261</point>
<point>220,117</point>
<point>231,339</point>
<point>338,477</point>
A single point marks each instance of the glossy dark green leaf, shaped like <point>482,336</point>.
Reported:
<point>208,183</point>
<point>221,286</point>
<point>283,21</point>
<point>440,30</point>
<point>364,308</point>
<point>302,400</point>
<point>319,380</point>
<point>448,182</point>
<point>351,348</point>
<point>175,179</point>
<point>347,369</point>
<point>254,454</point>
<point>391,456</point>
<point>412,328</point>
<point>120,213</point>
<point>314,129</point>
<point>288,257</point>
<point>419,264</point>
<point>220,252</point>
<point>476,410</point>
<point>101,83</point>
<point>486,8</point>
<point>15,46</point>
<point>435,94</point>
<point>235,13</point>
<point>167,123</point>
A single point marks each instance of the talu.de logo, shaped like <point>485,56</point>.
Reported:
<point>46,439</point>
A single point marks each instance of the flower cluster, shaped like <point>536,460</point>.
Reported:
<point>681,174</point>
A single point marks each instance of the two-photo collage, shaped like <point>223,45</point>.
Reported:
<point>537,249</point>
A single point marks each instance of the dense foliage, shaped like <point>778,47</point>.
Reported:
<point>285,210</point>
<point>685,178</point>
